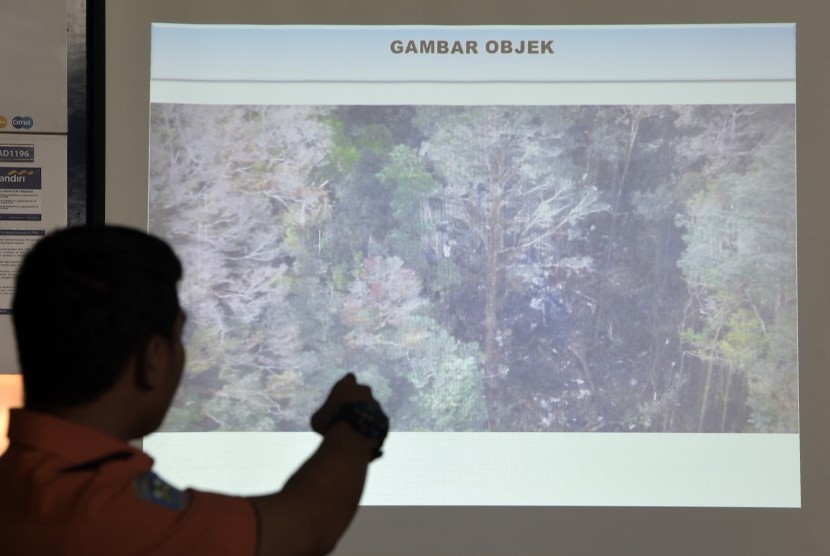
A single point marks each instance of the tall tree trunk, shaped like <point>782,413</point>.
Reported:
<point>492,286</point>
<point>726,395</point>
<point>704,402</point>
<point>710,371</point>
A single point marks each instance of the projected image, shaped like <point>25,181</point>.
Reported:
<point>485,268</point>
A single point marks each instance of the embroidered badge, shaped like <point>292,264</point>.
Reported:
<point>150,487</point>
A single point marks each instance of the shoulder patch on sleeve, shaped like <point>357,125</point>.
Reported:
<point>152,488</point>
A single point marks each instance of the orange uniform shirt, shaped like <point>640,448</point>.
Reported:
<point>66,489</point>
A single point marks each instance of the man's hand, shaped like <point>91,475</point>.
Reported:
<point>346,390</point>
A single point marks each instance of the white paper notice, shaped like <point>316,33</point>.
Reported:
<point>32,202</point>
<point>33,127</point>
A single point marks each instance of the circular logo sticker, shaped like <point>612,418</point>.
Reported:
<point>23,122</point>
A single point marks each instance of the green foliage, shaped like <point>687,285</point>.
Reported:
<point>389,337</point>
<point>740,262</point>
<point>446,382</point>
<point>375,138</point>
<point>773,389</point>
<point>344,154</point>
<point>411,182</point>
<point>744,340</point>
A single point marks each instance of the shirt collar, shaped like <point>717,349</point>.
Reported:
<point>73,443</point>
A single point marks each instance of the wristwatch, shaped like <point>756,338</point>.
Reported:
<point>367,418</point>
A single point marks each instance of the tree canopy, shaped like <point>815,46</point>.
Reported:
<point>504,268</point>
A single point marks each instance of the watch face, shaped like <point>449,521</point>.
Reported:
<point>367,418</point>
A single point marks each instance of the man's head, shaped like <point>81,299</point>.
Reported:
<point>87,299</point>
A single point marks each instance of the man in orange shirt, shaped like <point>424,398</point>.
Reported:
<point>98,328</point>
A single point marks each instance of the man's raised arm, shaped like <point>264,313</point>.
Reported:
<point>312,511</point>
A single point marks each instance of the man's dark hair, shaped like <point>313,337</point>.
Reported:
<point>85,300</point>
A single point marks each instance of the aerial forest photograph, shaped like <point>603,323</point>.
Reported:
<point>484,268</point>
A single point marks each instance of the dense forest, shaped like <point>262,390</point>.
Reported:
<point>485,268</point>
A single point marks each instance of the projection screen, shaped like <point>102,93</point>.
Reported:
<point>561,246</point>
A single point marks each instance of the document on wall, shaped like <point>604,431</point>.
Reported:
<point>33,140</point>
<point>32,202</point>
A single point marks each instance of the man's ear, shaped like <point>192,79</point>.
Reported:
<point>151,362</point>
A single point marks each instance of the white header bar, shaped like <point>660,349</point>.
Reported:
<point>671,64</point>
